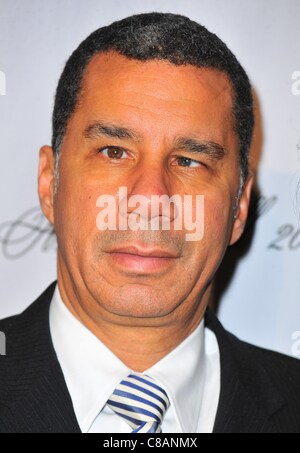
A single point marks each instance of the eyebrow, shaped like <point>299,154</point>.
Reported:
<point>100,129</point>
<point>213,150</point>
<point>192,145</point>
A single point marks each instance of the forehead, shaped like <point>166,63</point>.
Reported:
<point>155,90</point>
<point>110,66</point>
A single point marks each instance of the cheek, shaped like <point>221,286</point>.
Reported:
<point>75,211</point>
<point>218,219</point>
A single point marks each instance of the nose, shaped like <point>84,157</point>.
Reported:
<point>150,190</point>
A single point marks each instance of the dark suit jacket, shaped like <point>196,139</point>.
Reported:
<point>260,390</point>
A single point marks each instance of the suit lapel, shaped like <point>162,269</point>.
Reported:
<point>46,409</point>
<point>43,403</point>
<point>248,398</point>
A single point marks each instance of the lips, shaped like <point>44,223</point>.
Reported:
<point>142,251</point>
<point>142,260</point>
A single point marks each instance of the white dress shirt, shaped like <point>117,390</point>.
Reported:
<point>190,375</point>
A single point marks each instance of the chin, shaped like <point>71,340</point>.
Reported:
<point>138,303</point>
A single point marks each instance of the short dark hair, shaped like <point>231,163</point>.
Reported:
<point>157,36</point>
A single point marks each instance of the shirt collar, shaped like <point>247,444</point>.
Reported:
<point>182,374</point>
<point>92,371</point>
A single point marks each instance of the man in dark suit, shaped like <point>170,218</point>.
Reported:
<point>157,109</point>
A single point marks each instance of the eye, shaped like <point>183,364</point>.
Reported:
<point>187,162</point>
<point>113,152</point>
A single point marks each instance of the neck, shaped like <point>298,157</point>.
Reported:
<point>141,343</point>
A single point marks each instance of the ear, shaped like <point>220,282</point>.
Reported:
<point>46,181</point>
<point>242,212</point>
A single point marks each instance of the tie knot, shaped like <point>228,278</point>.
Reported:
<point>140,402</point>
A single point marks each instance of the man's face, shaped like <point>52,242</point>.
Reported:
<point>156,129</point>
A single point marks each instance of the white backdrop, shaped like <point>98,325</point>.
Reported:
<point>262,302</point>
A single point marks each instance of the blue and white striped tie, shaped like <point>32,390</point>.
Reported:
<point>141,402</point>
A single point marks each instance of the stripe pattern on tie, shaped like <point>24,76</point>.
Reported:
<point>140,402</point>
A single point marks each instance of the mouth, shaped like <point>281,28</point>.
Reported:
<point>140,259</point>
